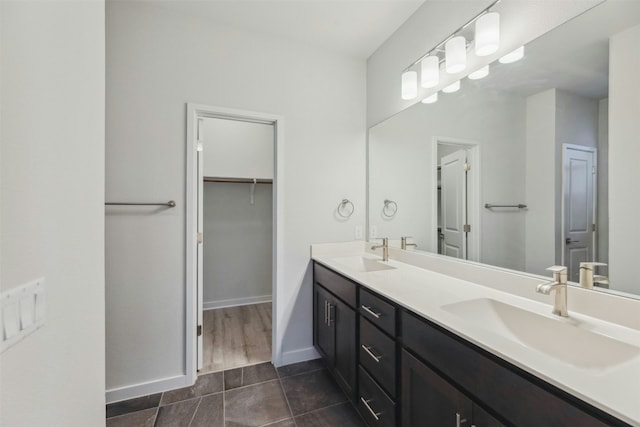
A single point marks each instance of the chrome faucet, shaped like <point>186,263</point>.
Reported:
<point>559,285</point>
<point>404,244</point>
<point>587,278</point>
<point>385,248</point>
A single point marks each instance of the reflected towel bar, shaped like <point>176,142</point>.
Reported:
<point>519,206</point>
<point>170,204</point>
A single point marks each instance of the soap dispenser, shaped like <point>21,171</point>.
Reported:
<point>586,273</point>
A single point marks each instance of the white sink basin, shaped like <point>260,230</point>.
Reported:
<point>562,339</point>
<point>363,264</point>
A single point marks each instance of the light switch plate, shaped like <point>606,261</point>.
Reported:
<point>22,312</point>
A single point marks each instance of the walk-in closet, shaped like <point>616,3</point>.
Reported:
<point>237,223</point>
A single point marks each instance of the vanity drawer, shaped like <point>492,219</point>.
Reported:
<point>374,405</point>
<point>518,396</point>
<point>379,312</point>
<point>341,287</point>
<point>378,355</point>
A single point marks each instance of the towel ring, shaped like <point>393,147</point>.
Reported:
<point>390,208</point>
<point>343,211</point>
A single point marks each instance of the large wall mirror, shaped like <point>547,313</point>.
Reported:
<point>512,170</point>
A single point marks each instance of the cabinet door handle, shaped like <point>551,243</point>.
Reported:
<point>325,312</point>
<point>371,312</point>
<point>460,420</point>
<point>329,319</point>
<point>374,413</point>
<point>370,353</point>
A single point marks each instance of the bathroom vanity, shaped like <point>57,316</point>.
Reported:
<point>411,347</point>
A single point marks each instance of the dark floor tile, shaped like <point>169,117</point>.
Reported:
<point>311,391</point>
<point>249,375</point>
<point>301,368</point>
<point>255,405</point>
<point>144,418</point>
<point>177,414</point>
<point>133,405</point>
<point>343,415</point>
<point>210,412</point>
<point>205,384</point>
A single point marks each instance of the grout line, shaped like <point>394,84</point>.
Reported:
<point>324,407</point>
<point>295,423</point>
<point>195,412</point>
<point>155,418</point>
<point>303,373</point>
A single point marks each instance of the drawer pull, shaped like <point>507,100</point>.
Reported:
<point>366,403</point>
<point>460,420</point>
<point>370,353</point>
<point>325,312</point>
<point>371,312</point>
<point>329,319</point>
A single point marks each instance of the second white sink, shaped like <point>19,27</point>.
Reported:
<point>558,338</point>
<point>363,264</point>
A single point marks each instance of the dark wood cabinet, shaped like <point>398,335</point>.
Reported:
<point>335,331</point>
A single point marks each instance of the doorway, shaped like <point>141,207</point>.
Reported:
<point>457,198</point>
<point>232,238</point>
<point>579,201</point>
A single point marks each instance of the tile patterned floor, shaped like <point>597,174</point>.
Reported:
<point>299,395</point>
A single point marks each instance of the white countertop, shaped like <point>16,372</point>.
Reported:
<point>615,388</point>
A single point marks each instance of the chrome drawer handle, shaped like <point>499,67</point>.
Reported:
<point>371,312</point>
<point>366,403</point>
<point>460,420</point>
<point>370,353</point>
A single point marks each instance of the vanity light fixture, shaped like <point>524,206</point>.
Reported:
<point>454,87</point>
<point>453,52</point>
<point>512,56</point>
<point>409,85</point>
<point>431,99</point>
<point>480,73</point>
<point>487,34</point>
<point>430,71</point>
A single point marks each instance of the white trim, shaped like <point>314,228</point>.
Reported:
<point>195,111</point>
<point>474,196</point>
<point>235,302</point>
<point>300,355</point>
<point>147,388</point>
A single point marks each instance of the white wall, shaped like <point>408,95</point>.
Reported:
<point>520,23</point>
<point>624,151</point>
<point>401,155</point>
<point>237,244</point>
<point>157,61</point>
<point>603,181</point>
<point>52,196</point>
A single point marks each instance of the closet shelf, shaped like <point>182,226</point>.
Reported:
<point>238,180</point>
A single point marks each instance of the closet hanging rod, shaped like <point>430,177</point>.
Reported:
<point>519,206</point>
<point>239,180</point>
<point>170,204</point>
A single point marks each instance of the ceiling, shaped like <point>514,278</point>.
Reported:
<point>351,27</point>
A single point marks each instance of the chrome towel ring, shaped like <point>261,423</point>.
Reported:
<point>345,208</point>
<point>389,209</point>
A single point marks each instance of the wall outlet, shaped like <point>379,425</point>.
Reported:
<point>22,312</point>
<point>374,232</point>
<point>358,232</point>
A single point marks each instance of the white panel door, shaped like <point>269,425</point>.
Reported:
<point>454,203</point>
<point>200,254</point>
<point>579,207</point>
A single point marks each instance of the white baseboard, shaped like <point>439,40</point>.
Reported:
<point>234,302</point>
<point>301,355</point>
<point>144,389</point>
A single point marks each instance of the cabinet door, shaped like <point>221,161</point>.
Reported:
<point>482,418</point>
<point>428,400</point>
<point>323,333</point>
<point>343,320</point>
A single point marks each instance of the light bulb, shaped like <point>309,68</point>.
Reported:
<point>430,71</point>
<point>455,55</point>
<point>452,87</point>
<point>513,56</point>
<point>479,74</point>
<point>409,85</point>
<point>430,99</point>
<point>487,34</point>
